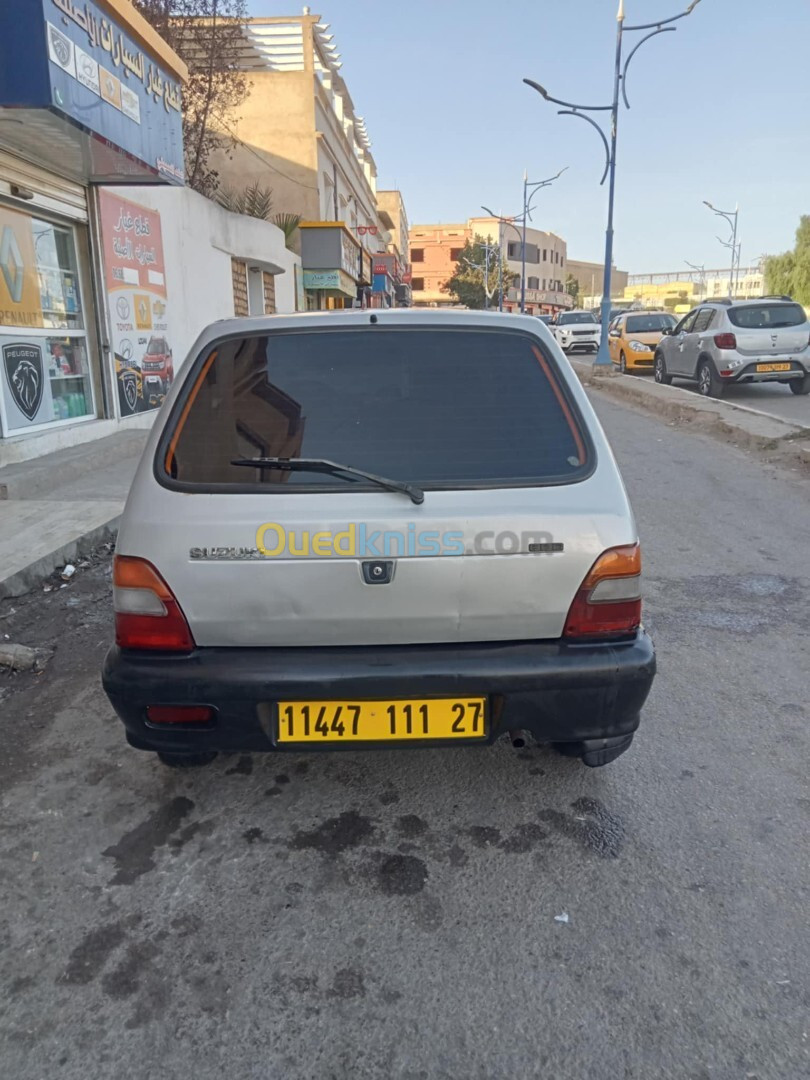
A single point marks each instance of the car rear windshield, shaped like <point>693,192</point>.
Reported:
<point>440,407</point>
<point>766,316</point>
<point>648,324</point>
<point>576,317</point>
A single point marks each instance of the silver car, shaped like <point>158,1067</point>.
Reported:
<point>722,343</point>
<point>370,529</point>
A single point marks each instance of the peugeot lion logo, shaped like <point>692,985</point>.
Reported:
<point>23,364</point>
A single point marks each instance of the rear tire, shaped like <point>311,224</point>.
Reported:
<point>187,761</point>
<point>709,382</point>
<point>800,386</point>
<point>660,372</point>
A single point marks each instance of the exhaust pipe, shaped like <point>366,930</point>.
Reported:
<point>518,739</point>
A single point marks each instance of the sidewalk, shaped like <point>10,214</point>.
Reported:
<point>55,508</point>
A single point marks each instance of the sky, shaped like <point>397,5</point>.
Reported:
<point>720,111</point>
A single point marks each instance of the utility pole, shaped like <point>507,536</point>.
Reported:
<point>570,109</point>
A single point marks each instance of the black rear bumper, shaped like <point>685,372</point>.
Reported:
<point>559,692</point>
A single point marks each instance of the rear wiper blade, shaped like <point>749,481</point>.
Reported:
<point>415,494</point>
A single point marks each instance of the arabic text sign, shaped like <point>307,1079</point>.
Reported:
<point>135,280</point>
<point>104,81</point>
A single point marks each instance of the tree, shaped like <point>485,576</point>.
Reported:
<point>789,274</point>
<point>468,284</point>
<point>572,288</point>
<point>207,35</point>
<point>254,200</point>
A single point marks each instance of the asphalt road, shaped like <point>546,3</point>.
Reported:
<point>377,915</point>
<point>771,398</point>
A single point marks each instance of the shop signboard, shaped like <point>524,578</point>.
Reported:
<point>26,390</point>
<point>105,107</point>
<point>335,280</point>
<point>350,254</point>
<point>329,246</point>
<point>20,301</point>
<point>138,302</point>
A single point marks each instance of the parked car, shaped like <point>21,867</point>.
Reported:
<point>157,367</point>
<point>577,330</point>
<point>381,529</point>
<point>547,319</point>
<point>723,342</point>
<point>633,337</point>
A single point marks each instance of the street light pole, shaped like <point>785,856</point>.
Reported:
<point>523,244</point>
<point>571,109</point>
<point>731,216</point>
<point>510,221</point>
<point>530,189</point>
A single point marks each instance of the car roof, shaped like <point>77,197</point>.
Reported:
<point>320,320</point>
<point>715,302</point>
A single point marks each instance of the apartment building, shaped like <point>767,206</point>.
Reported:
<point>680,290</point>
<point>546,265</point>
<point>589,275</point>
<point>435,250</point>
<point>298,133</point>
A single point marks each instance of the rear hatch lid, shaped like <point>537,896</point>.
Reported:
<point>521,493</point>
<point>769,328</point>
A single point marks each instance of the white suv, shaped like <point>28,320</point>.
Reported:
<point>372,529</point>
<point>577,330</point>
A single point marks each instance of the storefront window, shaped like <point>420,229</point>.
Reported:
<point>57,274</point>
<point>45,373</point>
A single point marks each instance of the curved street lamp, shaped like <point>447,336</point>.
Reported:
<point>731,217</point>
<point>530,189</point>
<point>569,108</point>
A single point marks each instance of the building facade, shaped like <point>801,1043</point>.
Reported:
<point>588,275</point>
<point>298,133</point>
<point>434,252</point>
<point>546,265</point>
<point>89,95</point>
<point>680,290</point>
<point>436,249</point>
<point>394,218</point>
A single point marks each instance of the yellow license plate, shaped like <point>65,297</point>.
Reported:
<point>773,367</point>
<point>418,720</point>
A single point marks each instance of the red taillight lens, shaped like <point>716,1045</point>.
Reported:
<point>608,601</point>
<point>725,341</point>
<point>147,616</point>
<point>199,715</point>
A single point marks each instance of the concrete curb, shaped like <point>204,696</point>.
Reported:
<point>745,428</point>
<point>35,572</point>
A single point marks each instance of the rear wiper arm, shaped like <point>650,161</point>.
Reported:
<point>415,494</point>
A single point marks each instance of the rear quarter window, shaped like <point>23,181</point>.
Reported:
<point>441,408</point>
<point>766,316</point>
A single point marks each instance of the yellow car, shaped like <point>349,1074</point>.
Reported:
<point>633,336</point>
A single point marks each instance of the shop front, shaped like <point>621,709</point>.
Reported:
<point>331,259</point>
<point>46,376</point>
<point>89,94</point>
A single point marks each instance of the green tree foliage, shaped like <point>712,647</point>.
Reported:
<point>469,285</point>
<point>789,274</point>
<point>288,223</point>
<point>572,288</point>
<point>254,200</point>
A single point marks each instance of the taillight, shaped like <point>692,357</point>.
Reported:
<point>608,601</point>
<point>725,341</point>
<point>147,616</point>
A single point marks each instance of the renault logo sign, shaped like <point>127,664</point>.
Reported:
<point>11,264</point>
